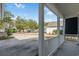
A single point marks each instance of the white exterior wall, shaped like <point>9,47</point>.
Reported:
<point>49,30</point>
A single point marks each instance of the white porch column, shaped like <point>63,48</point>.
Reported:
<point>58,26</point>
<point>41,29</point>
<point>64,28</point>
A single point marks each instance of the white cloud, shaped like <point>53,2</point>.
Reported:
<point>19,5</point>
<point>49,13</point>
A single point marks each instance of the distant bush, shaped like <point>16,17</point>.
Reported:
<point>61,31</point>
<point>30,30</point>
<point>10,31</point>
<point>55,32</point>
<point>14,30</point>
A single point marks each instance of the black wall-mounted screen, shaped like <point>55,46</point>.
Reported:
<point>71,25</point>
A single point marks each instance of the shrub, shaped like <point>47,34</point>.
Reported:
<point>30,30</point>
<point>9,31</point>
<point>14,30</point>
<point>61,31</point>
<point>55,31</point>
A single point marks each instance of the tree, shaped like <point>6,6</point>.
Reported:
<point>8,22</point>
<point>32,24</point>
<point>8,14</point>
<point>23,24</point>
<point>1,24</point>
<point>20,23</point>
<point>7,19</point>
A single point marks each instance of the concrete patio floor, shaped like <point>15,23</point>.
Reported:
<point>69,48</point>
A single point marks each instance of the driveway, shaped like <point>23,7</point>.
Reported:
<point>14,47</point>
<point>21,45</point>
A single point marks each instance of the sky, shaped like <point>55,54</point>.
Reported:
<point>29,11</point>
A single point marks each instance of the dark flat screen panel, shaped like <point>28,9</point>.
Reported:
<point>71,25</point>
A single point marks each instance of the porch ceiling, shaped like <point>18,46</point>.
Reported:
<point>65,9</point>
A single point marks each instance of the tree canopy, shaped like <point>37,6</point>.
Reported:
<point>22,24</point>
<point>1,24</point>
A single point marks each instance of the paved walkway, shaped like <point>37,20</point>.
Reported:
<point>69,48</point>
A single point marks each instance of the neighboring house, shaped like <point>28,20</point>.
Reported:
<point>51,26</point>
